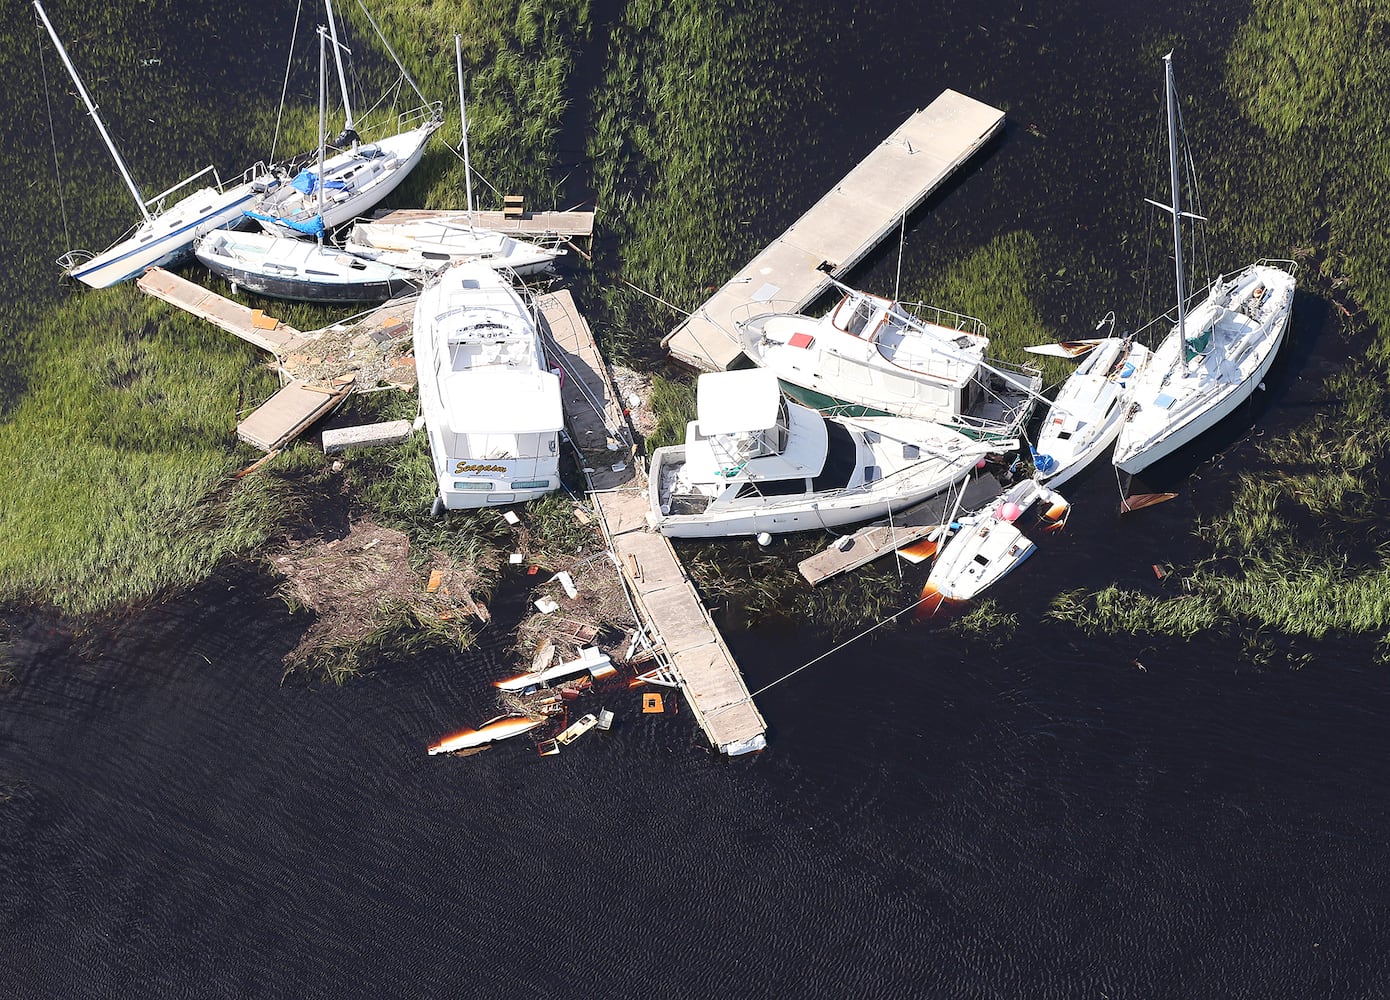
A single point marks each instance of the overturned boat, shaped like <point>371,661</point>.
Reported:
<point>755,462</point>
<point>501,728</point>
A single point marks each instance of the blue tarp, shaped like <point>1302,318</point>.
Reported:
<point>306,181</point>
<point>314,227</point>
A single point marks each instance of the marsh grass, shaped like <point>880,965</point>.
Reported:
<point>674,405</point>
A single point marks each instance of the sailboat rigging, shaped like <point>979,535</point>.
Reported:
<point>164,235</point>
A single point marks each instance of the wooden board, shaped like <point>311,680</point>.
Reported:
<point>288,413</point>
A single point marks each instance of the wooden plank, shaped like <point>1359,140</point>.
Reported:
<point>251,325</point>
<point>840,229</point>
<point>288,413</point>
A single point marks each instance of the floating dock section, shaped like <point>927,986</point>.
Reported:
<point>251,325</point>
<point>840,229</point>
<point>688,643</point>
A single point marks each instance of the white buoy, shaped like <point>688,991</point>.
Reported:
<point>764,538</point>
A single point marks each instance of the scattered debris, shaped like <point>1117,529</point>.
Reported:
<point>652,703</point>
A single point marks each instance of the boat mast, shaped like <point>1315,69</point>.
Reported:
<point>463,123</point>
<point>1177,208</point>
<point>323,111</point>
<point>338,59</point>
<point>92,108</point>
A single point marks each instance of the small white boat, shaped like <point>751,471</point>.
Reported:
<point>428,244</point>
<point>870,356</point>
<point>987,545</point>
<point>165,234</point>
<point>301,270</point>
<point>491,405</point>
<point>1216,355</point>
<point>1090,407</point>
<point>350,182</point>
<point>591,661</point>
<point>577,729</point>
<point>501,728</point>
<point>755,462</point>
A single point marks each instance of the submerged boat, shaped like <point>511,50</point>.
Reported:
<point>165,234</point>
<point>347,184</point>
<point>500,728</point>
<point>987,545</point>
<point>427,244</point>
<point>1090,407</point>
<point>1215,356</point>
<point>491,405</point>
<point>756,462</point>
<point>301,270</point>
<point>871,356</point>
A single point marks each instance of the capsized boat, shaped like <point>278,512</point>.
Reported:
<point>491,404</point>
<point>166,233</point>
<point>756,462</point>
<point>301,270</point>
<point>339,188</point>
<point>424,244</point>
<point>1216,355</point>
<point>1086,416</point>
<point>987,545</point>
<point>871,356</point>
<point>500,728</point>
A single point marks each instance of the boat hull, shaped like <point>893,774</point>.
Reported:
<point>1086,417</point>
<point>304,291</point>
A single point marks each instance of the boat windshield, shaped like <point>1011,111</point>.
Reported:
<point>852,315</point>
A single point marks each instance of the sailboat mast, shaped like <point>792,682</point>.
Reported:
<point>1177,206</point>
<point>92,108</point>
<point>463,123</point>
<point>338,59</point>
<point>323,111</point>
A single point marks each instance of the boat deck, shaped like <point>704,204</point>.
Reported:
<point>840,229</point>
<point>568,224</point>
<point>688,640</point>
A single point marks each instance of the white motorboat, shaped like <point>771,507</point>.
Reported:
<point>166,233</point>
<point>870,356</point>
<point>491,404</point>
<point>1085,417</point>
<point>301,270</point>
<point>347,184</point>
<point>987,545</point>
<point>1215,356</point>
<point>426,244</point>
<point>755,462</point>
<point>500,728</point>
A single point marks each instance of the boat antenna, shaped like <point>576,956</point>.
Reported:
<point>338,59</point>
<point>92,109</point>
<point>463,125</point>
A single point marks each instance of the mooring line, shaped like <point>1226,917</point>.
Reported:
<point>836,649</point>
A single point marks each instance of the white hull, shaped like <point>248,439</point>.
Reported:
<point>1089,410</point>
<point>385,163</point>
<point>169,238</point>
<point>430,245</point>
<point>300,270</point>
<point>1176,402</point>
<point>491,406</point>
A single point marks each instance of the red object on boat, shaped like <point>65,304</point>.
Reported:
<point>802,340</point>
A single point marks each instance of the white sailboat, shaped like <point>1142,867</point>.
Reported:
<point>1085,417</point>
<point>350,182</point>
<point>421,244</point>
<point>755,462</point>
<point>871,356</point>
<point>165,234</point>
<point>1215,356</point>
<point>491,405</point>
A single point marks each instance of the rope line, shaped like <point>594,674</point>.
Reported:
<point>57,171</point>
<point>836,649</point>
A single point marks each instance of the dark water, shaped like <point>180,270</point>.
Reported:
<point>1054,815</point>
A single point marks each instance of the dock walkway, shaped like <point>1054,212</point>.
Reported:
<point>688,640</point>
<point>841,228</point>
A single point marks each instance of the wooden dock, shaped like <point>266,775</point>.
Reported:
<point>841,228</point>
<point>251,325</point>
<point>688,642</point>
<point>289,412</point>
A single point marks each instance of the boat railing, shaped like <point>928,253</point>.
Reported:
<point>159,198</point>
<point>765,307</point>
<point>946,318</point>
<point>1283,263</point>
<point>434,111</point>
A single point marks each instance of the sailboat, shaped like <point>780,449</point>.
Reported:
<point>432,243</point>
<point>350,182</point>
<point>871,356</point>
<point>286,268</point>
<point>1216,355</point>
<point>164,235</point>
